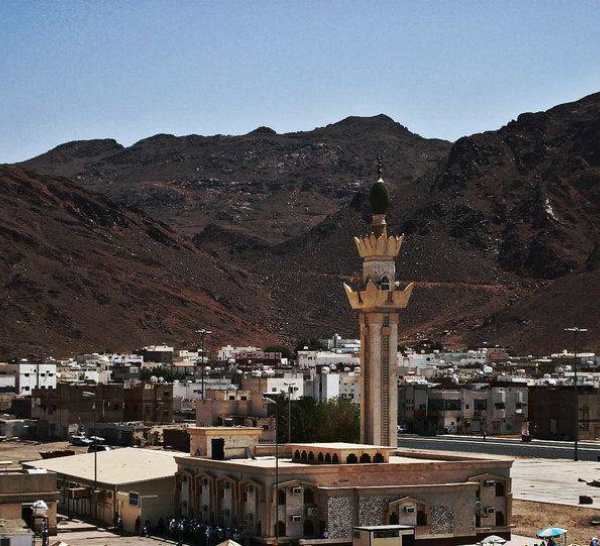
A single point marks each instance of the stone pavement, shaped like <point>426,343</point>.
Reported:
<point>556,481</point>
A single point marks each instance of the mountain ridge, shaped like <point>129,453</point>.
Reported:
<point>497,223</point>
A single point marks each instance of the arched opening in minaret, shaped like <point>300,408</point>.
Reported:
<point>320,457</point>
<point>352,459</point>
<point>378,458</point>
<point>385,283</point>
<point>365,458</point>
<point>327,458</point>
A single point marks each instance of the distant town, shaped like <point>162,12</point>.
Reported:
<point>479,391</point>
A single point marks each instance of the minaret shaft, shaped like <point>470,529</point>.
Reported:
<point>378,301</point>
<point>379,385</point>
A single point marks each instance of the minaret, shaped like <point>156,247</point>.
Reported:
<point>378,300</point>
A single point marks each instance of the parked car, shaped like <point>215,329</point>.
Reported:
<point>94,448</point>
<point>80,440</point>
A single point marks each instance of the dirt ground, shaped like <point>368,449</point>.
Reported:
<point>529,517</point>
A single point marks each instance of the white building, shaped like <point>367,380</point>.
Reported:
<point>28,376</point>
<point>229,352</point>
<point>335,382</point>
<point>310,360</point>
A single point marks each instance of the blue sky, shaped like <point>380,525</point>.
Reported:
<point>74,70</point>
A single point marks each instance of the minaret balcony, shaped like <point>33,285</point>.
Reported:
<point>373,297</point>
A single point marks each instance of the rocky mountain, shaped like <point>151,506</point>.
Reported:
<point>501,227</point>
<point>79,273</point>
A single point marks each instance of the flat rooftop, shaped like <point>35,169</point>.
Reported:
<point>115,467</point>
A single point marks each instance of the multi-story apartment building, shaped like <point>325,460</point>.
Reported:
<point>71,406</point>
<point>552,412</point>
<point>326,383</point>
<point>311,360</point>
<point>29,376</point>
<point>496,409</point>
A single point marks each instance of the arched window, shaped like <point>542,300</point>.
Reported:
<point>394,519</point>
<point>308,495</point>
<point>352,459</point>
<point>311,456</point>
<point>335,459</point>
<point>500,519</point>
<point>297,454</point>
<point>320,457</point>
<point>378,458</point>
<point>385,283</point>
<point>281,495</point>
<point>328,458</point>
<point>421,515</point>
<point>365,458</point>
<point>303,455</point>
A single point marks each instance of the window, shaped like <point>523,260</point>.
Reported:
<point>134,499</point>
<point>4,541</point>
<point>385,283</point>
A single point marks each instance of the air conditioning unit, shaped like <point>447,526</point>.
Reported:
<point>489,510</point>
<point>312,511</point>
<point>297,490</point>
<point>296,518</point>
<point>249,488</point>
<point>409,509</point>
<point>489,483</point>
<point>478,505</point>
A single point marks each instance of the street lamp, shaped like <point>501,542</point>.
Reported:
<point>271,401</point>
<point>89,394</point>
<point>575,331</point>
<point>202,370</point>
<point>203,333</point>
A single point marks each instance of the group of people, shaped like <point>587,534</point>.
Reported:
<point>190,531</point>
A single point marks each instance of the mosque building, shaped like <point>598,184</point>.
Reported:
<point>329,492</point>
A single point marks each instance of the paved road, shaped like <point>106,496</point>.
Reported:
<point>587,451</point>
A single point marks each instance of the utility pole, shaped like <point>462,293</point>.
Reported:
<point>575,331</point>
<point>271,401</point>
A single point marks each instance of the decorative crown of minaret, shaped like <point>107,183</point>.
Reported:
<point>378,251</point>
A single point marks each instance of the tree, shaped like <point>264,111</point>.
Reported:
<point>168,375</point>
<point>335,420</point>
<point>312,344</point>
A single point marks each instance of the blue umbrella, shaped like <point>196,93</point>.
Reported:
<point>551,532</point>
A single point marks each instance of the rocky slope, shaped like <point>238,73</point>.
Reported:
<point>502,227</point>
<point>79,273</point>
